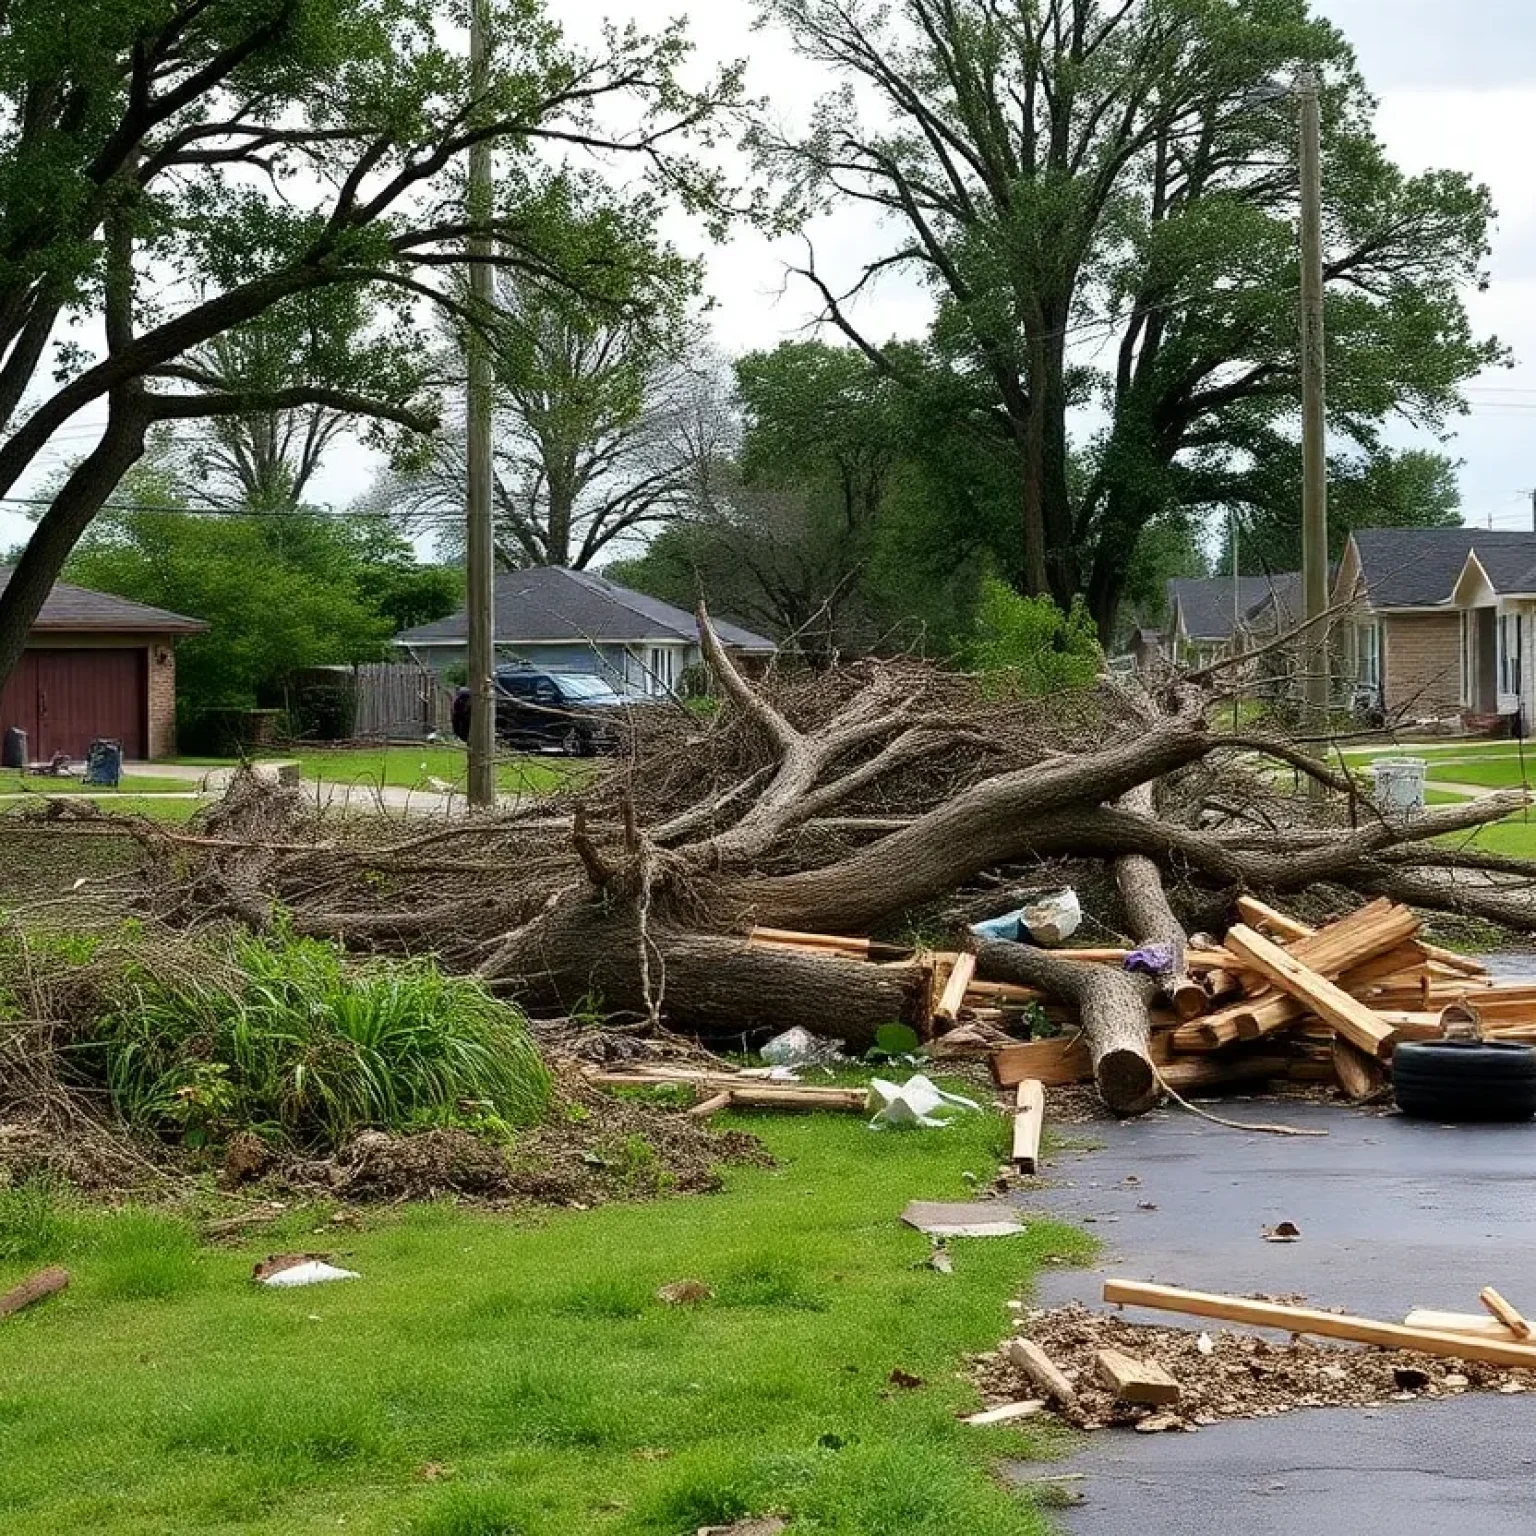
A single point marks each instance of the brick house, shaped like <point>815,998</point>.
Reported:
<point>1428,632</point>
<point>96,666</point>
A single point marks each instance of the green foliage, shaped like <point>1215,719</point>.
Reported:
<point>1028,646</point>
<point>304,1046</point>
<point>894,1042</point>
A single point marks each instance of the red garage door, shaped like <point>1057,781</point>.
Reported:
<point>63,700</point>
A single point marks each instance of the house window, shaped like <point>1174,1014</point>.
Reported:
<point>1466,658</point>
<point>661,669</point>
<point>1370,656</point>
<point>1509,653</point>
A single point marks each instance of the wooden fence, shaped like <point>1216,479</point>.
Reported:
<point>398,699</point>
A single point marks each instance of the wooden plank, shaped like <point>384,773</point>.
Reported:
<point>1347,1014</point>
<point>1258,914</point>
<point>1135,1381</point>
<point>961,974</point>
<point>1007,1413</point>
<point>1223,1071</point>
<point>1505,1313</point>
<point>1042,1370</point>
<point>794,939</point>
<point>46,1282</point>
<point>1458,1322</point>
<point>788,1097</point>
<point>1331,1325</point>
<point>711,1106</point>
<point>1004,992</point>
<point>1028,1120</point>
<point>1454,962</point>
<point>1054,1063</point>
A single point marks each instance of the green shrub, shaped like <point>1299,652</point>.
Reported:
<point>1028,646</point>
<point>299,1044</point>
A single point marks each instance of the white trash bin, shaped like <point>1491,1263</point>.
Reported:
<point>1399,785</point>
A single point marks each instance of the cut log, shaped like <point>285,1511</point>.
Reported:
<point>1475,1323</point>
<point>1347,1014</point>
<point>1360,1076</point>
<point>1135,1381</point>
<point>961,973</point>
<point>1028,1120</point>
<point>46,1282</point>
<point>1043,1371</point>
<point>1505,1313</point>
<point>1330,1325</point>
<point>1112,1009</point>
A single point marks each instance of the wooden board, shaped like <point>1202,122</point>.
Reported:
<point>1135,1381</point>
<point>1042,1370</point>
<point>1051,1062</point>
<point>1347,1014</point>
<point>1220,1071</point>
<point>1028,1120</point>
<point>1506,1314</point>
<point>1331,1325</point>
<point>1007,1413</point>
<point>1259,915</point>
<point>952,994</point>
<point>1458,1322</point>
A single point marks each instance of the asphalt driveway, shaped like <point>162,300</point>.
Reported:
<point>1394,1214</point>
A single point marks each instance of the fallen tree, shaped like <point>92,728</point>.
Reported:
<point>847,802</point>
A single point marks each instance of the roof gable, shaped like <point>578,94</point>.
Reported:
<point>547,605</point>
<point>1419,567</point>
<point>78,608</point>
<point>1202,606</point>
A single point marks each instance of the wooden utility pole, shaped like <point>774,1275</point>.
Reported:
<point>1314,461</point>
<point>479,557</point>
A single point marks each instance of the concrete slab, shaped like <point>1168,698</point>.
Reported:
<point>1393,1214</point>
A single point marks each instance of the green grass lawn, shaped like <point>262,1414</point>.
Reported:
<point>412,767</point>
<point>492,1376</point>
<point>130,784</point>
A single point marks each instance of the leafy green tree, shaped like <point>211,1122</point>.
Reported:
<point>173,170</point>
<point>1102,194</point>
<point>1029,646</point>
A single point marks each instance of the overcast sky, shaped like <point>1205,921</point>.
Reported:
<point>1457,87</point>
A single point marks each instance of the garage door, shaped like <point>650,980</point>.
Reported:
<point>63,700</point>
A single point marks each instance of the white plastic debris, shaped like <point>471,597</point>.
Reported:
<point>312,1272</point>
<point>916,1102</point>
<point>798,1047</point>
<point>1054,918</point>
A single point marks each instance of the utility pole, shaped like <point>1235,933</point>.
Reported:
<point>1314,460</point>
<point>479,559</point>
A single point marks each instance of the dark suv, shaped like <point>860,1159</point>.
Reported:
<point>573,711</point>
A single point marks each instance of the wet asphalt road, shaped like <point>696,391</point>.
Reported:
<point>1394,1214</point>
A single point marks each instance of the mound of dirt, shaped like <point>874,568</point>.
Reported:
<point>1231,1375</point>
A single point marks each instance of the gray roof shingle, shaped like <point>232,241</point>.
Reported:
<point>553,605</point>
<point>1418,567</point>
<point>76,608</point>
<point>1205,602</point>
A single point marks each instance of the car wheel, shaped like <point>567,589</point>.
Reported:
<point>1465,1080</point>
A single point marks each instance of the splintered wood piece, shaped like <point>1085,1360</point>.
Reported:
<point>1330,1325</point>
<point>1052,1062</point>
<point>1458,1322</point>
<point>1347,1014</point>
<point>791,1097</point>
<point>711,1106</point>
<point>1220,1071</point>
<point>1135,1381</point>
<point>45,1282</point>
<point>1028,1120</point>
<point>1260,915</point>
<point>961,974</point>
<point>1505,1313</point>
<point>1359,1075</point>
<point>1007,1413</point>
<point>1451,961</point>
<point>1042,1370</point>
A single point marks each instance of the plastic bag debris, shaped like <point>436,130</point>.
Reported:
<point>916,1102</point>
<point>1150,960</point>
<point>800,1048</point>
<point>310,1272</point>
<point>1051,917</point>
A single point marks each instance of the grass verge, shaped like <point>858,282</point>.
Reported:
<point>415,767</point>
<point>488,1377</point>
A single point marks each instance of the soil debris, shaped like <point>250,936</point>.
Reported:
<point>1228,1375</point>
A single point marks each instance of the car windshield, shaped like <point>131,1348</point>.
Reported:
<point>575,685</point>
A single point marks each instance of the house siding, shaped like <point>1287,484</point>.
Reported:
<point>615,662</point>
<point>1421,663</point>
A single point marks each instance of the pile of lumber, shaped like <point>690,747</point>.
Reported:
<point>1276,1000</point>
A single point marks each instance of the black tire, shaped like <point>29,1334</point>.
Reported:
<point>1465,1080</point>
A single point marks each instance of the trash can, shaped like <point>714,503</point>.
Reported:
<point>104,763</point>
<point>13,754</point>
<point>1399,783</point>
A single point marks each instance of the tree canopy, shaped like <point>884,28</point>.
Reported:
<point>173,170</point>
<point>1101,195</point>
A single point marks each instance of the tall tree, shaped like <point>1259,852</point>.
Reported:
<point>589,427</point>
<point>1081,180</point>
<point>179,168</point>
